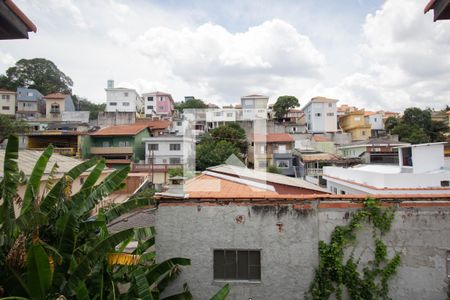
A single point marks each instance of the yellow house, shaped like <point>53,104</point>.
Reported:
<point>56,104</point>
<point>355,123</point>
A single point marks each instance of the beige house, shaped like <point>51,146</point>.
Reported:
<point>355,123</point>
<point>7,102</point>
<point>56,104</point>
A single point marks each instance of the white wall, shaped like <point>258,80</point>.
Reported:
<point>427,158</point>
<point>163,154</point>
<point>376,121</point>
<point>118,96</point>
<point>324,122</point>
<point>385,180</point>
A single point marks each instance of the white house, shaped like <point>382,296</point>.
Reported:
<point>122,99</point>
<point>254,107</point>
<point>321,115</point>
<point>169,150</point>
<point>421,170</point>
<point>221,116</point>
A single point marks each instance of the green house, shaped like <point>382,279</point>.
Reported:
<point>119,145</point>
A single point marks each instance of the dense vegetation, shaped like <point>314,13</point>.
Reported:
<point>335,275</point>
<point>190,103</point>
<point>51,245</point>
<point>11,126</point>
<point>219,144</point>
<point>36,73</point>
<point>283,105</point>
<point>416,126</point>
<point>83,104</point>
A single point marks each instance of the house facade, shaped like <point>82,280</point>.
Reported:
<point>273,149</point>
<point>420,170</point>
<point>119,145</point>
<point>123,100</point>
<point>170,150</point>
<point>7,102</point>
<point>56,104</point>
<point>158,103</point>
<point>29,104</point>
<point>320,115</point>
<point>355,123</point>
<point>254,107</point>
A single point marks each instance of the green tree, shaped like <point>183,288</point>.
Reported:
<point>190,103</point>
<point>36,73</point>
<point>391,122</point>
<point>212,152</point>
<point>83,104</point>
<point>232,133</point>
<point>416,126</point>
<point>284,104</point>
<point>10,126</point>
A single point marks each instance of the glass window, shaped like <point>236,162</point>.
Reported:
<point>445,183</point>
<point>330,104</point>
<point>126,104</point>
<point>106,144</point>
<point>330,114</point>
<point>318,114</point>
<point>282,164</point>
<point>5,107</point>
<point>150,98</point>
<point>161,108</point>
<point>229,115</point>
<point>174,160</point>
<point>153,147</point>
<point>175,147</point>
<point>237,264</point>
<point>218,114</point>
<point>179,123</point>
<point>113,104</point>
<point>149,106</point>
<point>262,164</point>
<point>30,94</point>
<point>357,119</point>
<point>124,144</point>
<point>125,94</point>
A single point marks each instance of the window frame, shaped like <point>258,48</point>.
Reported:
<point>150,146</point>
<point>175,144</point>
<point>284,161</point>
<point>237,278</point>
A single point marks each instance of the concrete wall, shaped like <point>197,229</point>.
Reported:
<point>288,238</point>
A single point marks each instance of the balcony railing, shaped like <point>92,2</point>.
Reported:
<point>156,168</point>
<point>314,172</point>
<point>282,151</point>
<point>55,111</point>
<point>112,150</point>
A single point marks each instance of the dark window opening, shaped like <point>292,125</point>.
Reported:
<point>407,157</point>
<point>237,264</point>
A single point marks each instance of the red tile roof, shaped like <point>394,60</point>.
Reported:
<point>273,138</point>
<point>55,96</point>
<point>206,186</point>
<point>30,25</point>
<point>121,130</point>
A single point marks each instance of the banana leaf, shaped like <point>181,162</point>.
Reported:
<point>142,288</point>
<point>222,293</point>
<point>39,274</point>
<point>34,182</point>
<point>126,207</point>
<point>109,185</point>
<point>99,251</point>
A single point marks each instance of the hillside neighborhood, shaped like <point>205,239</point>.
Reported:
<point>144,194</point>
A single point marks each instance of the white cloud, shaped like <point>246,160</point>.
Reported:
<point>6,59</point>
<point>405,60</point>
<point>225,65</point>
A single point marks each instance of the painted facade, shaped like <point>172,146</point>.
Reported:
<point>355,123</point>
<point>158,103</point>
<point>7,102</point>
<point>56,104</point>
<point>320,115</point>
<point>28,103</point>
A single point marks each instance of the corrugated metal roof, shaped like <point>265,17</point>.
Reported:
<point>28,158</point>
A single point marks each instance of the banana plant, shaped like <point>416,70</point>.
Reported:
<point>54,247</point>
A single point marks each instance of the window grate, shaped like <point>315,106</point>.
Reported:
<point>237,264</point>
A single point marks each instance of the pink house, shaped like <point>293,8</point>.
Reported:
<point>158,103</point>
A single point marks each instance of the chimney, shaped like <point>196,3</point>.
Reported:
<point>110,84</point>
<point>176,185</point>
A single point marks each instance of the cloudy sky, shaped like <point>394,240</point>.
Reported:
<point>370,53</point>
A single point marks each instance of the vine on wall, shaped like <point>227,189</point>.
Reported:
<point>334,274</point>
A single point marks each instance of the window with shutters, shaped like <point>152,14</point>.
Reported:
<point>231,264</point>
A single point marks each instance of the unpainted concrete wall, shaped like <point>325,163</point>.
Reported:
<point>288,239</point>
